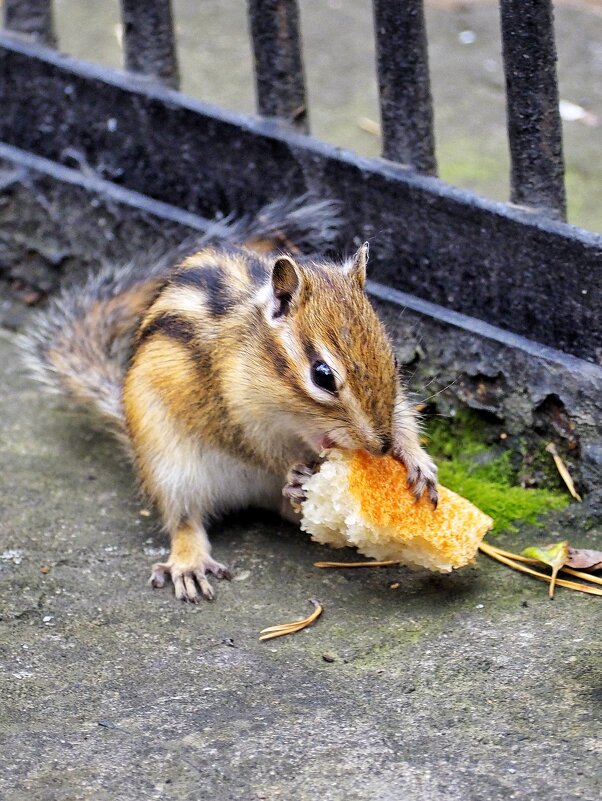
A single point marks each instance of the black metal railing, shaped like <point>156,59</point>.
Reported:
<point>30,17</point>
<point>278,61</point>
<point>406,108</point>
<point>148,40</point>
<point>534,127</point>
<point>516,265</point>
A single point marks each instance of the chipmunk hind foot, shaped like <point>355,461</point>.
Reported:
<point>188,565</point>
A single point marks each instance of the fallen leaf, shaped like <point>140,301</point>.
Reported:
<point>585,559</point>
<point>555,555</point>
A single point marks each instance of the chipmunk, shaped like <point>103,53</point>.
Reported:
<point>228,372</point>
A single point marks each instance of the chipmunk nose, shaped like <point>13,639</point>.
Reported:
<point>387,444</point>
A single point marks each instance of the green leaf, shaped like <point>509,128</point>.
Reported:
<point>556,555</point>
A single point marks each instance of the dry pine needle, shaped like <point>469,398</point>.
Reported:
<point>390,563</point>
<point>513,560</point>
<point>563,470</point>
<point>516,562</point>
<point>291,628</point>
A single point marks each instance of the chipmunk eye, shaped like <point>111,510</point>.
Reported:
<point>323,377</point>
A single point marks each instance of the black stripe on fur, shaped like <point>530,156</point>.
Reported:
<point>211,281</point>
<point>170,325</point>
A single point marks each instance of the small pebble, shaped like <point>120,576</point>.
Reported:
<point>328,657</point>
<point>44,569</point>
<point>395,586</point>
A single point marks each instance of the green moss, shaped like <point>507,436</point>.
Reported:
<point>473,463</point>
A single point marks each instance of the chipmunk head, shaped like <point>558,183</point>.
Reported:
<point>331,352</point>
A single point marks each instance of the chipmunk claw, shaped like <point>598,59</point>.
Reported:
<point>433,493</point>
<point>190,582</point>
<point>296,477</point>
<point>422,476</point>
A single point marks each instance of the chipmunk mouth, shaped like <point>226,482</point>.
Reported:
<point>323,442</point>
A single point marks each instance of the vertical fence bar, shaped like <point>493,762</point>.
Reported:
<point>149,39</point>
<point>406,108</point>
<point>32,17</point>
<point>278,61</point>
<point>534,126</point>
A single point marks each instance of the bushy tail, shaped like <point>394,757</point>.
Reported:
<point>79,346</point>
<point>299,224</point>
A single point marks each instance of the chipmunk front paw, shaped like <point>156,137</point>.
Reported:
<point>422,474</point>
<point>296,477</point>
<point>189,579</point>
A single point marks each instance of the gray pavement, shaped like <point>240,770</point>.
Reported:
<point>470,686</point>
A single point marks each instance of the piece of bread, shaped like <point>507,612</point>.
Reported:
<point>363,501</point>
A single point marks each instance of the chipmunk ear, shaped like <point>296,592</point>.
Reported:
<point>286,284</point>
<point>356,266</point>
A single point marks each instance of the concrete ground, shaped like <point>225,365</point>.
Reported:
<point>472,686</point>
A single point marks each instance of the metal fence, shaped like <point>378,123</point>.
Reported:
<point>516,265</point>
